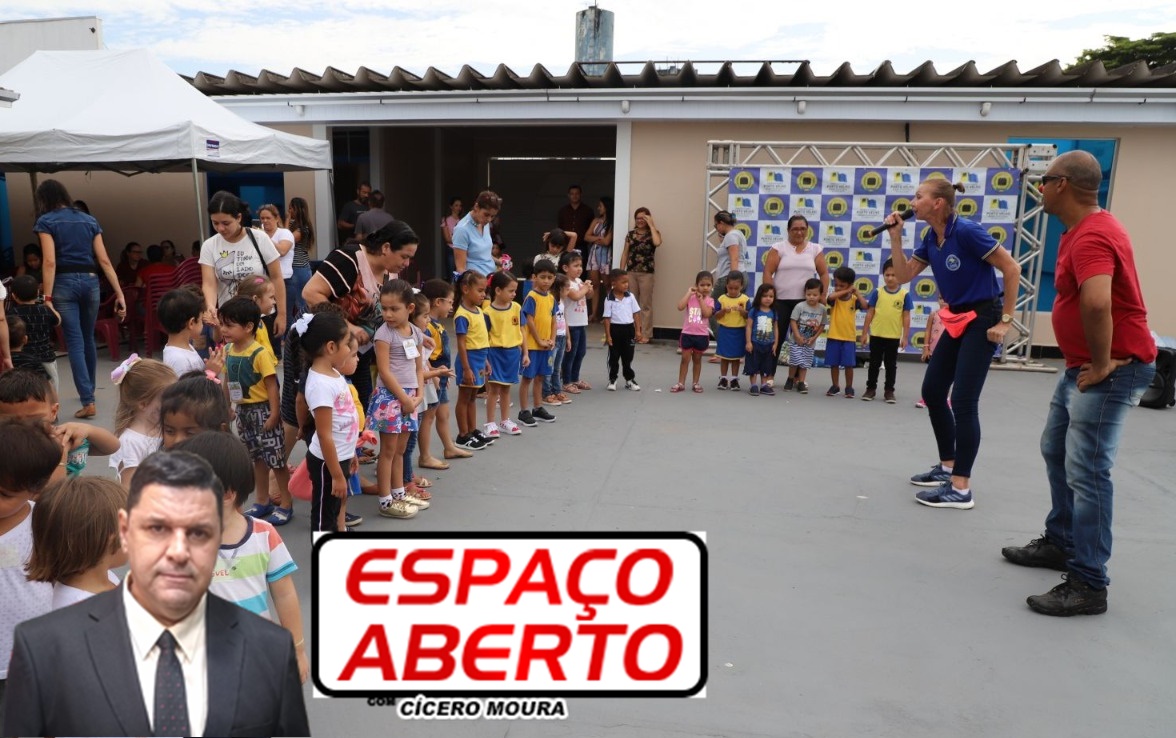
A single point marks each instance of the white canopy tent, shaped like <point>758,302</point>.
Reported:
<point>126,111</point>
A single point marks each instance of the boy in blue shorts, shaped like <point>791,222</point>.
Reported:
<point>841,344</point>
<point>539,309</point>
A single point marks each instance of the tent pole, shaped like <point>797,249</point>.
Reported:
<point>33,185</point>
<point>199,201</point>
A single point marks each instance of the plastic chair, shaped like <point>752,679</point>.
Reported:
<point>108,328</point>
<point>155,289</point>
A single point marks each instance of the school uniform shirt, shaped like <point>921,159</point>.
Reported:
<point>734,319</point>
<point>322,390</point>
<point>843,320</point>
<point>39,324</point>
<point>244,570</point>
<point>440,355</point>
<point>475,326</point>
<point>576,310</point>
<point>539,309</point>
<point>505,325</point>
<point>621,312</point>
<point>246,372</point>
<point>888,309</point>
<point>959,265</point>
<point>182,360</point>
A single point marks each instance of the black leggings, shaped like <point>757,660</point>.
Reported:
<point>883,351</point>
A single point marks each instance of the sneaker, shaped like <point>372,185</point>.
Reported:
<point>735,385</point>
<point>527,418</point>
<point>416,500</point>
<point>789,384</point>
<point>723,384</point>
<point>485,439</point>
<point>768,390</point>
<point>1040,552</point>
<point>753,390</point>
<point>540,413</point>
<point>933,478</point>
<point>552,400</point>
<point>867,396</point>
<point>398,509</point>
<point>833,391</point>
<point>612,386</point>
<point>1072,597</point>
<point>888,395</point>
<point>511,428</point>
<point>802,388</point>
<point>472,442</point>
<point>849,393</point>
<point>632,385</point>
<point>920,404</point>
<point>945,496</point>
<point>491,430</point>
<point>351,520</point>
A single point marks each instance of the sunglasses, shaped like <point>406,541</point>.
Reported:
<point>1052,178</point>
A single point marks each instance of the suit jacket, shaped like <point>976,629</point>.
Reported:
<point>73,673</point>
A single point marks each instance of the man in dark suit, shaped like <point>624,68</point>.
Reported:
<point>158,655</point>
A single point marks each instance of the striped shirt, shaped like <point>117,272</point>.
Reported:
<point>301,253</point>
<point>244,570</point>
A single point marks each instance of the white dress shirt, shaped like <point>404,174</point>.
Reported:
<point>192,653</point>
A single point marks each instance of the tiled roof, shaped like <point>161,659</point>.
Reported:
<point>8,96</point>
<point>648,75</point>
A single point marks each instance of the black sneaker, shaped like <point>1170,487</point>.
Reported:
<point>351,520</point>
<point>472,442</point>
<point>722,384</point>
<point>485,439</point>
<point>1040,552</point>
<point>540,413</point>
<point>735,385</point>
<point>527,418</point>
<point>788,385</point>
<point>802,388</point>
<point>1072,597</point>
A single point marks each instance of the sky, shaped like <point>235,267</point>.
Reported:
<point>198,36</point>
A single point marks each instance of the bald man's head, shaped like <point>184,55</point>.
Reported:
<point>1080,168</point>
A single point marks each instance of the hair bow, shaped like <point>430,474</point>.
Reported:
<point>120,371</point>
<point>211,375</point>
<point>302,324</point>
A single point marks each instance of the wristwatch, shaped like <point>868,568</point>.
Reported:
<point>1006,318</point>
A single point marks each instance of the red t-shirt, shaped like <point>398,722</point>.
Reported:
<point>1100,245</point>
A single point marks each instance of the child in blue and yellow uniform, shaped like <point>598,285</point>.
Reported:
<point>473,337</point>
<point>841,344</point>
<point>888,321</point>
<point>539,319</point>
<point>507,355</point>
<point>732,323</point>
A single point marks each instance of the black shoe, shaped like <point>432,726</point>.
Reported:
<point>540,413</point>
<point>1072,597</point>
<point>485,439</point>
<point>789,384</point>
<point>526,417</point>
<point>1039,552</point>
<point>471,442</point>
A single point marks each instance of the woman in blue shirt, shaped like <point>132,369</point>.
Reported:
<point>71,243</point>
<point>962,256</point>
<point>472,243</point>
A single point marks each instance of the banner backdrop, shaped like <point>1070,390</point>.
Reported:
<point>843,203</point>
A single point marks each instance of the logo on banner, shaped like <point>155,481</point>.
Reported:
<point>1002,181</point>
<point>952,262</point>
<point>834,259</point>
<point>921,312</point>
<point>836,206</point>
<point>925,287</point>
<point>935,174</point>
<point>999,234</point>
<point>771,234</point>
<point>900,204</point>
<point>806,206</point>
<point>835,235</point>
<point>509,615</point>
<point>967,207</point>
<point>972,180</point>
<point>865,261</point>
<point>867,207</point>
<point>838,182</point>
<point>212,148</point>
<point>864,287</point>
<point>863,234</point>
<point>919,339</point>
<point>999,208</point>
<point>744,180</point>
<point>775,182</point>
<point>872,181</point>
<point>807,180</point>
<point>773,207</point>
<point>902,181</point>
<point>744,207</point>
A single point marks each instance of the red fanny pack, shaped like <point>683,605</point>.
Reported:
<point>956,323</point>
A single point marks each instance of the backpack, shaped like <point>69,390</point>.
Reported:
<point>1161,393</point>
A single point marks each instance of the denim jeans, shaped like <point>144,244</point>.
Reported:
<point>573,359</point>
<point>960,365</point>
<point>76,298</point>
<point>1079,444</point>
<point>295,305</point>
<point>552,383</point>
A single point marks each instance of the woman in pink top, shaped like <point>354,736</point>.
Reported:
<point>789,266</point>
<point>448,223</point>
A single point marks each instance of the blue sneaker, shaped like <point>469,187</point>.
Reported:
<point>933,478</point>
<point>945,496</point>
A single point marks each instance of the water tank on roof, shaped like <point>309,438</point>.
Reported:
<point>594,38</point>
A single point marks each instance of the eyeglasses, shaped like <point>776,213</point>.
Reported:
<point>1052,178</point>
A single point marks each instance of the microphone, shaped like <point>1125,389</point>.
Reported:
<point>902,214</point>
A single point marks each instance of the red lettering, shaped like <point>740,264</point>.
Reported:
<point>409,573</point>
<point>577,570</point>
<point>665,575</point>
<point>468,579</point>
<point>672,636</point>
<point>474,651</point>
<point>598,645</point>
<point>541,561</point>
<point>357,576</point>
<point>382,660</point>
<point>528,652</point>
<point>417,652</point>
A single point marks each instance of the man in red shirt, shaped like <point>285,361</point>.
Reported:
<point>1100,323</point>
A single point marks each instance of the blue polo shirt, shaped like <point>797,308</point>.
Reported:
<point>959,265</point>
<point>476,245</point>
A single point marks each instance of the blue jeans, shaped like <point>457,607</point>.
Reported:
<point>1079,444</point>
<point>572,360</point>
<point>76,298</point>
<point>960,365</point>
<point>295,305</point>
<point>552,384</point>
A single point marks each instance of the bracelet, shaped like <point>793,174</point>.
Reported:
<point>48,298</point>
<point>299,643</point>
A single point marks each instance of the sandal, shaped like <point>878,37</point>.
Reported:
<point>258,510</point>
<point>433,464</point>
<point>678,387</point>
<point>280,516</point>
<point>698,389</point>
<point>413,489</point>
<point>583,385</point>
<point>571,389</point>
<point>422,483</point>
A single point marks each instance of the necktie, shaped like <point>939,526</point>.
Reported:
<point>171,700</point>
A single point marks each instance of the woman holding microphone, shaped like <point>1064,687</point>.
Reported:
<point>978,315</point>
